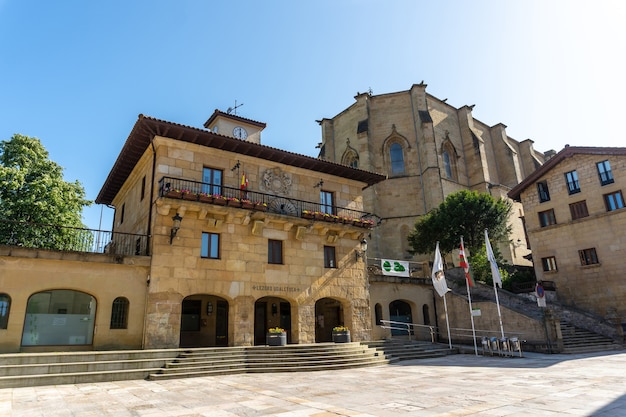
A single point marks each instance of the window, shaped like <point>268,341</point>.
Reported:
<point>546,218</point>
<point>5,306</point>
<point>588,257</point>
<point>573,186</point>
<point>397,158</point>
<point>143,188</point>
<point>449,157</point>
<point>578,210</point>
<point>614,201</point>
<point>549,263</point>
<point>605,173</point>
<point>446,164</point>
<point>544,193</point>
<point>329,257</point>
<point>122,213</point>
<point>326,201</point>
<point>212,181</point>
<point>378,312</point>
<point>210,246</point>
<point>119,313</point>
<point>274,251</point>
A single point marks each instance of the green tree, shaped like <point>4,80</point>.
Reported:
<point>33,192</point>
<point>463,213</point>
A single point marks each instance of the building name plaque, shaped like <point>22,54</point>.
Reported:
<point>277,288</point>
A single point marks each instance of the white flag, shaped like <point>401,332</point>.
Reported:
<point>439,279</point>
<point>495,272</point>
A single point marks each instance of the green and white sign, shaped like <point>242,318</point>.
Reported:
<point>393,267</point>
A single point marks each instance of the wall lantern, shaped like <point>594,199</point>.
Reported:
<point>175,226</point>
<point>360,254</point>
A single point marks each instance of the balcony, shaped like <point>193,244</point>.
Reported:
<point>71,239</point>
<point>205,193</point>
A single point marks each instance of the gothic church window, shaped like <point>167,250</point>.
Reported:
<point>397,158</point>
<point>449,156</point>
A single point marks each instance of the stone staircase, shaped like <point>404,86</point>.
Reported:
<point>57,368</point>
<point>255,359</point>
<point>577,340</point>
<point>35,369</point>
<point>398,350</point>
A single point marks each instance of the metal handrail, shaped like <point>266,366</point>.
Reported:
<point>409,328</point>
<point>71,239</point>
<point>276,203</point>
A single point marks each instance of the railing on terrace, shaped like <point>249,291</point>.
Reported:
<point>275,203</point>
<point>71,239</point>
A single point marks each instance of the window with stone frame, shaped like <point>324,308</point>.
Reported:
<point>614,201</point>
<point>330,260</point>
<point>396,157</point>
<point>579,210</point>
<point>549,264</point>
<point>588,257</point>
<point>605,173</point>
<point>547,218</point>
<point>544,192</point>
<point>210,245</point>
<point>119,313</point>
<point>274,251</point>
<point>571,179</point>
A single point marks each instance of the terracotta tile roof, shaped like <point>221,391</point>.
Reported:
<point>566,152</point>
<point>147,127</point>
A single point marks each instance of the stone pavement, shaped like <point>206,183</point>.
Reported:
<point>457,385</point>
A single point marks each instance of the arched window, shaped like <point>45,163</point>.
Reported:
<point>5,306</point>
<point>378,312</point>
<point>448,154</point>
<point>397,159</point>
<point>59,317</point>
<point>119,313</point>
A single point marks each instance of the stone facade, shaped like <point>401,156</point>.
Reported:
<point>437,149</point>
<point>575,232</point>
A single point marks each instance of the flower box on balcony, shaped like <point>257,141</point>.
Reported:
<point>233,202</point>
<point>190,196</point>
<point>205,198</point>
<point>173,194</point>
<point>247,204</point>
<point>306,214</point>
<point>219,200</point>
<point>260,206</point>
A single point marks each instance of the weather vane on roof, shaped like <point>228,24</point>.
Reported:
<point>233,110</point>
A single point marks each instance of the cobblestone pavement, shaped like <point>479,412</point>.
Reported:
<point>457,385</point>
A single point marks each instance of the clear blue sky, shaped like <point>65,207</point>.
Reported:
<point>76,74</point>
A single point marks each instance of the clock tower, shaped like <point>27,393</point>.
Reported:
<point>229,124</point>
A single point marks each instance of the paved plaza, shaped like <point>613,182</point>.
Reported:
<point>457,385</point>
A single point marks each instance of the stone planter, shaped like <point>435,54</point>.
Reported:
<point>341,337</point>
<point>276,339</point>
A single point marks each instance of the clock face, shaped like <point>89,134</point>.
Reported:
<point>240,133</point>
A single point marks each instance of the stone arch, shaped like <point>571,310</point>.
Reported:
<point>271,311</point>
<point>204,321</point>
<point>449,156</point>
<point>350,156</point>
<point>394,149</point>
<point>329,312</point>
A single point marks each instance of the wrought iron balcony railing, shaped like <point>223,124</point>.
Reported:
<point>71,239</point>
<point>198,191</point>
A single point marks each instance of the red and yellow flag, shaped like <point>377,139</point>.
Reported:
<point>465,265</point>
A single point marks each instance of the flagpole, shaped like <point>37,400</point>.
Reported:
<point>499,314</point>
<point>469,298</point>
<point>495,275</point>
<point>445,307</point>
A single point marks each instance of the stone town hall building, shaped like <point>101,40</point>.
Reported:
<point>217,238</point>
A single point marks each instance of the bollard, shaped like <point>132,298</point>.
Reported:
<point>516,346</point>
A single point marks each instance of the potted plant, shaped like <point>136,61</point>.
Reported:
<point>260,206</point>
<point>219,199</point>
<point>205,197</point>
<point>233,202</point>
<point>173,193</point>
<point>307,214</point>
<point>188,195</point>
<point>247,204</point>
<point>341,334</point>
<point>276,336</point>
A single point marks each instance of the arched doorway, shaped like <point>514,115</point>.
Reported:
<point>399,311</point>
<point>58,318</point>
<point>204,321</point>
<point>328,314</point>
<point>271,312</point>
